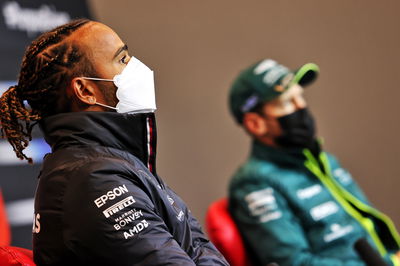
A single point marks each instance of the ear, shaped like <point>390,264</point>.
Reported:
<point>83,90</point>
<point>255,124</point>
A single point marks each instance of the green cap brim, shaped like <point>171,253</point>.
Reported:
<point>306,74</point>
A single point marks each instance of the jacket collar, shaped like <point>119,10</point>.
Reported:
<point>290,157</point>
<point>133,133</point>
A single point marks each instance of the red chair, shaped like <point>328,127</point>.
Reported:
<point>11,256</point>
<point>225,235</point>
<point>5,234</point>
<point>15,256</point>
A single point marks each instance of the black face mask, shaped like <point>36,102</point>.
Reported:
<point>298,130</point>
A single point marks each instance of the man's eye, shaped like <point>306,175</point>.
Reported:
<point>125,59</point>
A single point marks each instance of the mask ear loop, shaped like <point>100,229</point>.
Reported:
<point>96,103</point>
<point>107,106</point>
<point>97,79</point>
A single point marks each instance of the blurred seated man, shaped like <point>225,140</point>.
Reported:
<point>99,199</point>
<point>293,202</point>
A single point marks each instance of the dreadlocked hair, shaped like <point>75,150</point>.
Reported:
<point>48,65</point>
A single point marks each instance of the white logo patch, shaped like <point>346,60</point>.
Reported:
<point>264,66</point>
<point>180,213</point>
<point>171,200</point>
<point>136,229</point>
<point>274,74</point>
<point>270,216</point>
<point>119,206</point>
<point>110,195</point>
<point>343,176</point>
<point>125,214</point>
<point>323,210</point>
<point>262,203</point>
<point>260,198</point>
<point>36,224</point>
<point>180,216</point>
<point>128,218</point>
<point>309,192</point>
<point>337,231</point>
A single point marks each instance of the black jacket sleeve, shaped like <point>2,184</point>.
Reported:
<point>203,251</point>
<point>112,221</point>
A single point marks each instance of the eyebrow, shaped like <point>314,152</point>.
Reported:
<point>120,50</point>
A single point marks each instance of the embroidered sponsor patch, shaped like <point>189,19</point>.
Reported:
<point>337,231</point>
<point>110,195</point>
<point>118,206</point>
<point>262,204</point>
<point>258,195</point>
<point>272,76</point>
<point>260,198</point>
<point>36,223</point>
<point>171,200</point>
<point>270,216</point>
<point>127,218</point>
<point>264,66</point>
<point>180,214</point>
<point>343,176</point>
<point>309,192</point>
<point>323,210</point>
<point>136,229</point>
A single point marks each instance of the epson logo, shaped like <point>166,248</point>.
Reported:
<point>110,195</point>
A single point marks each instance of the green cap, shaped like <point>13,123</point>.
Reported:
<point>265,81</point>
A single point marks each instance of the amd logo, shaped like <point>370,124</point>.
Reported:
<point>110,195</point>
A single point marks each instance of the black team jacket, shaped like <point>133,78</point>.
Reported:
<point>99,200</point>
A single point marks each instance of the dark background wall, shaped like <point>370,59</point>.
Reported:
<point>197,47</point>
<point>21,21</point>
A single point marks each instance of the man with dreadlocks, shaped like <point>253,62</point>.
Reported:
<point>99,200</point>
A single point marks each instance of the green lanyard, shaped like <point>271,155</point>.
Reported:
<point>344,198</point>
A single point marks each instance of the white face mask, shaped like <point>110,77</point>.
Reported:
<point>135,88</point>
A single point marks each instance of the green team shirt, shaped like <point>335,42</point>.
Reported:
<point>294,208</point>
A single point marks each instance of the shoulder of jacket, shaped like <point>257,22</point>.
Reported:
<point>260,171</point>
<point>257,174</point>
<point>254,175</point>
<point>87,166</point>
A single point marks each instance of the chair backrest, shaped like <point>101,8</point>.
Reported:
<point>5,234</point>
<point>15,256</point>
<point>225,235</point>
